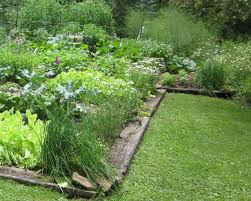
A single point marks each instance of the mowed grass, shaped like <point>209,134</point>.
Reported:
<point>12,191</point>
<point>196,148</point>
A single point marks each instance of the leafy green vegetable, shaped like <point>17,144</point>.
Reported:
<point>20,143</point>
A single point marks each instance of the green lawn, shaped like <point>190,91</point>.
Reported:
<point>11,191</point>
<point>197,148</point>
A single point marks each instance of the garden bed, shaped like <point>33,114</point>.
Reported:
<point>122,153</point>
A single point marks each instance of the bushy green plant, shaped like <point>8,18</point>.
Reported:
<point>94,33</point>
<point>231,15</point>
<point>238,62</point>
<point>98,87</point>
<point>144,74</point>
<point>70,28</point>
<point>111,66</point>
<point>168,79</point>
<point>237,57</point>
<point>67,59</point>
<point>175,27</point>
<point>11,63</point>
<point>2,35</point>
<point>39,35</point>
<point>9,96</point>
<point>137,49</point>
<point>183,77</point>
<point>106,121</point>
<point>67,148</point>
<point>41,14</point>
<point>20,143</point>
<point>151,48</point>
<point>245,91</point>
<point>134,21</point>
<point>128,49</point>
<point>90,12</point>
<point>212,75</point>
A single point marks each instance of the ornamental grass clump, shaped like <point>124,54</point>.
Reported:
<point>212,75</point>
<point>68,147</point>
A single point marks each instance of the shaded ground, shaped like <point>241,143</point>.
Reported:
<point>197,148</point>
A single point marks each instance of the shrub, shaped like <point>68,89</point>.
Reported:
<point>168,79</point>
<point>41,14</point>
<point>143,73</point>
<point>212,75</point>
<point>20,143</point>
<point>128,49</point>
<point>39,35</point>
<point>231,14</point>
<point>151,48</point>
<point>70,28</point>
<point>90,12</point>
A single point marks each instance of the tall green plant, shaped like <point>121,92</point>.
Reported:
<point>68,147</point>
<point>90,12</point>
<point>41,13</point>
<point>135,20</point>
<point>174,26</point>
<point>212,75</point>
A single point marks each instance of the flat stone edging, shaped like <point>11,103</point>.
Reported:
<point>215,93</point>
<point>130,138</point>
<point>32,178</point>
<point>75,192</point>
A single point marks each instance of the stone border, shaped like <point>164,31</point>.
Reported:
<point>194,91</point>
<point>33,178</point>
<point>130,138</point>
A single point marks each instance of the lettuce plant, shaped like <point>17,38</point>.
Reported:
<point>20,141</point>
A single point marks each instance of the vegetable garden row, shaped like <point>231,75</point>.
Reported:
<point>62,104</point>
